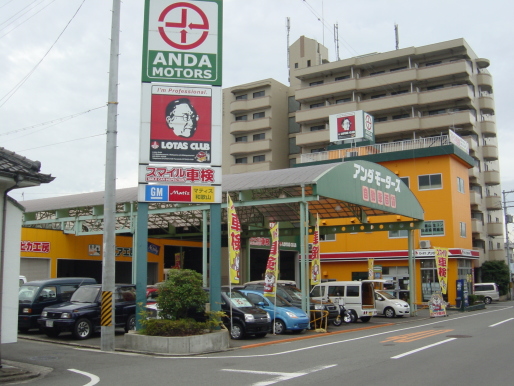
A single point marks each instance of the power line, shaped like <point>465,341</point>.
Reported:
<point>60,143</point>
<point>24,21</point>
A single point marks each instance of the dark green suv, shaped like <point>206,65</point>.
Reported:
<point>81,315</point>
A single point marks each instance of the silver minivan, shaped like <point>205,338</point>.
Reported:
<point>489,291</point>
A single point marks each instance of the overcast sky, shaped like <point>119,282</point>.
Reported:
<point>55,58</point>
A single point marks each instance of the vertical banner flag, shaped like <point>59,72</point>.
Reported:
<point>270,277</point>
<point>315,258</point>
<point>441,261</point>
<point>234,241</point>
<point>371,272</point>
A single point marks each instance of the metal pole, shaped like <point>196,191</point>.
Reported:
<point>507,243</point>
<point>109,240</point>
<point>412,273</point>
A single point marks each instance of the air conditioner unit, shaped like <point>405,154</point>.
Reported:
<point>424,244</point>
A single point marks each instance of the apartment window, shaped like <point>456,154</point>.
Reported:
<point>258,115</point>
<point>437,112</point>
<point>399,92</point>
<point>315,105</point>
<point>433,63</point>
<point>460,185</point>
<point>242,160</point>
<point>319,150</point>
<point>400,116</point>
<point>242,118</point>
<point>377,72</point>
<point>405,180</point>
<point>430,181</point>
<point>462,229</point>
<point>433,228</point>
<point>378,96</point>
<point>259,137</point>
<point>318,127</point>
<point>259,158</point>
<point>381,119</point>
<point>437,86</point>
<point>342,77</point>
<point>308,63</point>
<point>343,100</point>
<point>296,65</point>
<point>241,97</point>
<point>293,148</point>
<point>398,69</point>
<point>258,94</point>
<point>403,233</point>
<point>316,83</point>
<point>244,138</point>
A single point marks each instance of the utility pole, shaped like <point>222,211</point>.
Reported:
<point>109,240</point>
<point>508,220</point>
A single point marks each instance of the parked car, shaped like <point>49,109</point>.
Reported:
<point>22,280</point>
<point>81,315</point>
<point>285,317</point>
<point>34,296</point>
<point>390,306</point>
<point>288,290</point>
<point>489,291</point>
<point>151,294</point>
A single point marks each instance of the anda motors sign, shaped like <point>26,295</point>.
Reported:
<point>182,42</point>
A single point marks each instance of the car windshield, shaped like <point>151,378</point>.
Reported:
<point>85,295</point>
<point>238,299</point>
<point>386,294</point>
<point>27,293</point>
<point>279,301</point>
<point>294,292</point>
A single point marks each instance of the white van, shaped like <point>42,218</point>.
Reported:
<point>357,296</point>
<point>489,291</point>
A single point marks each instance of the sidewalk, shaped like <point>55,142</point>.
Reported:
<point>17,372</point>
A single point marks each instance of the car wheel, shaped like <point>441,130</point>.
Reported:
<point>83,329</point>
<point>355,317</point>
<point>365,319</point>
<point>279,327</point>
<point>131,323</point>
<point>389,313</point>
<point>237,331</point>
<point>348,317</point>
<point>52,333</point>
<point>338,321</point>
<point>261,334</point>
<point>488,300</point>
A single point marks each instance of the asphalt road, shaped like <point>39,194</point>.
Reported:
<point>464,348</point>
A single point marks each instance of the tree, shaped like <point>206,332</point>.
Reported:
<point>496,272</point>
<point>181,294</point>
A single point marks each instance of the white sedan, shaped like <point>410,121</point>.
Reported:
<point>389,306</point>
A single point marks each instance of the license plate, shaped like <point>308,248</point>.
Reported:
<point>49,323</point>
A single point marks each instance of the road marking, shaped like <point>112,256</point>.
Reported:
<point>422,348</point>
<point>497,324</point>
<point>415,336</point>
<point>94,378</point>
<point>279,377</point>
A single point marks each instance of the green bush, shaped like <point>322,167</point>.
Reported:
<point>472,299</point>
<point>166,327</point>
<point>497,272</point>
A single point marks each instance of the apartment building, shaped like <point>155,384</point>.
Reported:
<point>412,93</point>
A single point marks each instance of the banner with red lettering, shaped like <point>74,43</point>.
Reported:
<point>271,274</point>
<point>234,241</point>
<point>315,258</point>
<point>441,260</point>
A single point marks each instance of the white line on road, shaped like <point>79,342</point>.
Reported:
<point>422,348</point>
<point>279,376</point>
<point>94,378</point>
<point>496,324</point>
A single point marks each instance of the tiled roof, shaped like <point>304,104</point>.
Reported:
<point>12,164</point>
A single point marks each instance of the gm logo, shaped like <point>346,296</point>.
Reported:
<point>156,193</point>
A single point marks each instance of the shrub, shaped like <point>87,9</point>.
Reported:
<point>181,293</point>
<point>496,272</point>
<point>166,327</point>
<point>472,299</point>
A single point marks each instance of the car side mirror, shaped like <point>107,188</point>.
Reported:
<point>260,304</point>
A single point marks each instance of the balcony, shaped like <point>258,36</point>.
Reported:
<point>492,177</point>
<point>472,143</point>
<point>473,173</point>
<point>446,94</point>
<point>250,147</point>
<point>240,127</point>
<point>493,202</point>
<point>485,79</point>
<point>494,229</point>
<point>497,254</point>
<point>312,138</point>
<point>486,103</point>
<point>476,226</point>
<point>488,127</point>
<point>320,114</point>
<point>490,153</point>
<point>474,198</point>
<point>447,69</point>
<point>241,106</point>
<point>389,103</point>
<point>342,87</point>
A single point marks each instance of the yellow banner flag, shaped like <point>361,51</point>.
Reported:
<point>441,261</point>
<point>270,277</point>
<point>234,241</point>
<point>315,257</point>
<point>371,274</point>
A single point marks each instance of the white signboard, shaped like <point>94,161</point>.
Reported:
<point>351,125</point>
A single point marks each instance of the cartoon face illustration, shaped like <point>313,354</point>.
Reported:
<point>269,281</point>
<point>315,272</point>
<point>346,124</point>
<point>181,117</point>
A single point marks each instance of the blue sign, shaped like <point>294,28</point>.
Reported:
<point>156,193</point>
